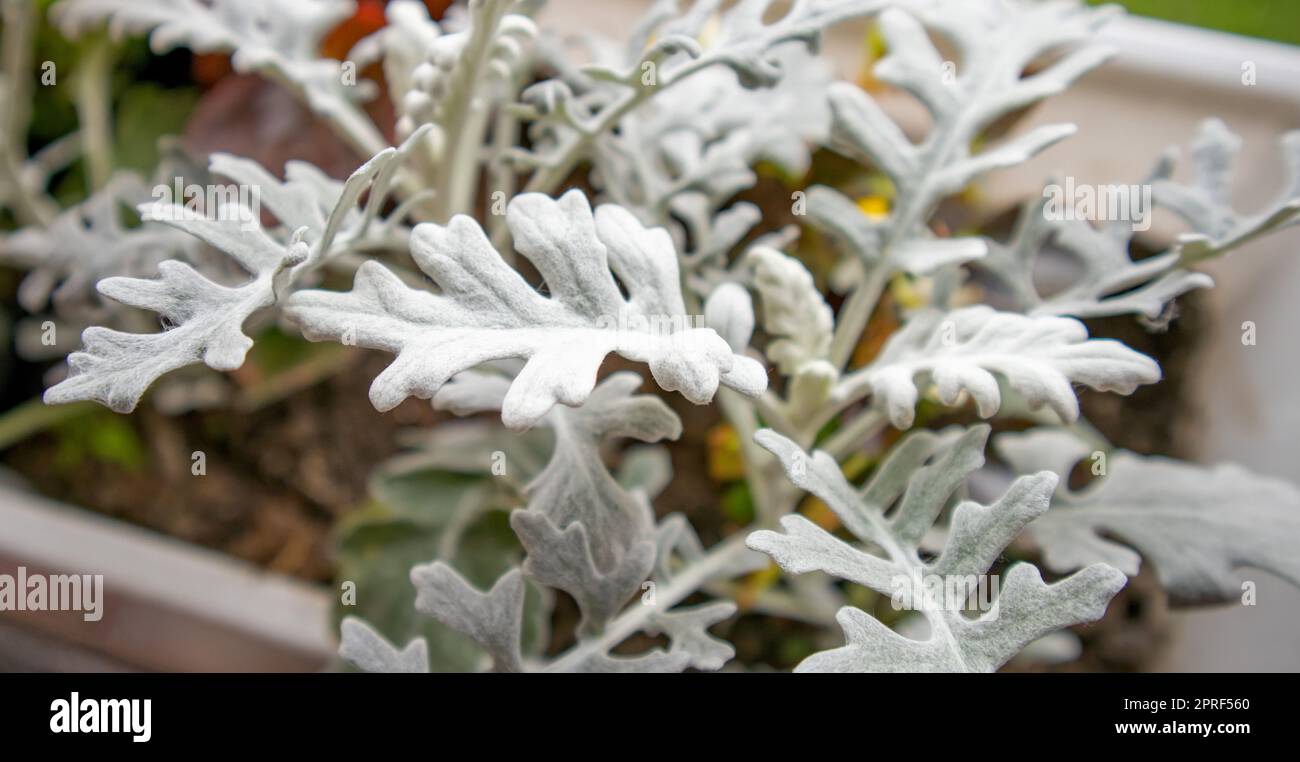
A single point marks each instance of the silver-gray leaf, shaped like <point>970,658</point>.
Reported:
<point>486,311</point>
<point>493,619</point>
<point>361,645</point>
<point>960,351</point>
<point>1197,526</point>
<point>890,558</point>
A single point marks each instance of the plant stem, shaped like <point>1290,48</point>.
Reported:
<point>501,178</point>
<point>848,439</point>
<point>548,177</point>
<point>770,408</point>
<point>461,165</point>
<point>29,203</point>
<point>34,416</point>
<point>854,315</point>
<point>94,88</point>
<point>17,51</point>
<point>471,105</point>
<point>910,562</point>
<point>685,582</point>
<point>918,201</point>
<point>739,413</point>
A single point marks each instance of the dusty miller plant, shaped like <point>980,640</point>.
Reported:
<point>495,114</point>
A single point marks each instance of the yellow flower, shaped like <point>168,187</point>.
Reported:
<point>911,293</point>
<point>725,461</point>
<point>874,206</point>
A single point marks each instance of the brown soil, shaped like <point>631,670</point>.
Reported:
<point>277,479</point>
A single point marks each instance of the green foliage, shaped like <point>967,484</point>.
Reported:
<point>146,113</point>
<point>1270,19</point>
<point>101,436</point>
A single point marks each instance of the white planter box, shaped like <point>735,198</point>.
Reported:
<point>169,605</point>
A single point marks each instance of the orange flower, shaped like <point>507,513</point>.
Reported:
<point>368,19</point>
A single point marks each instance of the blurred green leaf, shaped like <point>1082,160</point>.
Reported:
<point>738,503</point>
<point>102,436</point>
<point>145,113</point>
<point>1270,19</point>
<point>276,351</point>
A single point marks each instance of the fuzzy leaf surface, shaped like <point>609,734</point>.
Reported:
<point>889,559</point>
<point>1197,526</point>
<point>486,311</point>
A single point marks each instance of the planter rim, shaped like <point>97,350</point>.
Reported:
<point>1208,57</point>
<point>188,581</point>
